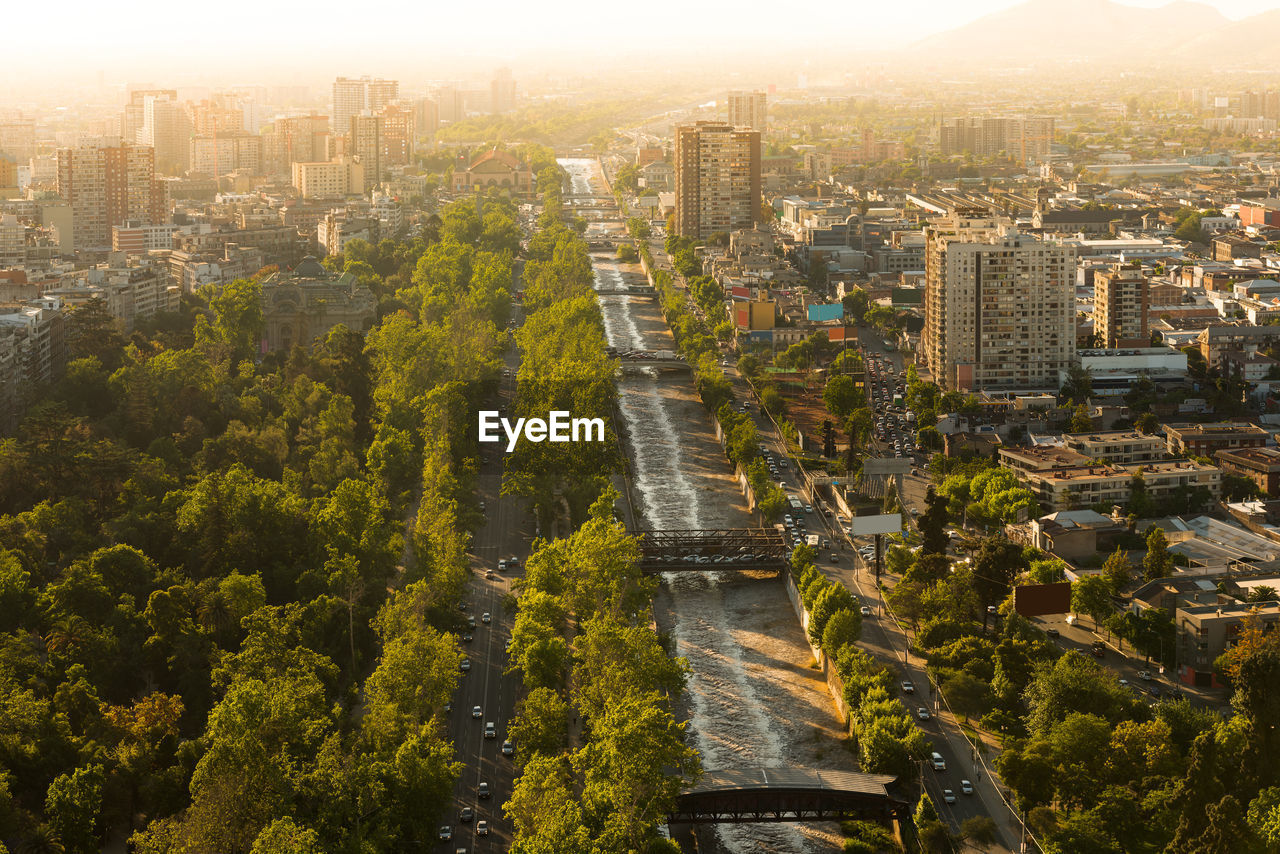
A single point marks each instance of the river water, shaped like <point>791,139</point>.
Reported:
<point>753,698</point>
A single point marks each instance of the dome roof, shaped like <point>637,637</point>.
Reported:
<point>310,268</point>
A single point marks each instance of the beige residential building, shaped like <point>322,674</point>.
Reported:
<point>502,92</point>
<point>1120,306</point>
<point>18,140</point>
<point>332,179</point>
<point>295,139</point>
<point>1117,446</point>
<point>166,128</point>
<point>352,96</point>
<point>13,241</point>
<point>108,185</point>
<point>366,140</point>
<point>1085,486</point>
<point>999,305</point>
<point>399,135</point>
<point>223,153</point>
<point>748,110</point>
<point>717,179</point>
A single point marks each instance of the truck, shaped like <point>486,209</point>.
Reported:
<point>812,541</point>
<point>796,504</point>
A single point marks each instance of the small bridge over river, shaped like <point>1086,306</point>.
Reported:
<point>742,795</point>
<point>757,549</point>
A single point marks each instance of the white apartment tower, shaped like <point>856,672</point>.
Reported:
<point>748,110</point>
<point>999,305</point>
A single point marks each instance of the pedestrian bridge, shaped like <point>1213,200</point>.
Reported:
<point>744,795</point>
<point>757,549</point>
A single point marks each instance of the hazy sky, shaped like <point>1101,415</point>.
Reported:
<point>296,37</point>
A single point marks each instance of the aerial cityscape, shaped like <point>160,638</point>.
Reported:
<point>550,430</point>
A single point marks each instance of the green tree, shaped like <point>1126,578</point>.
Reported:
<point>286,836</point>
<point>1091,595</point>
<point>1081,420</point>
<point>843,628</point>
<point>841,397</point>
<point>1157,562</point>
<point>967,695</point>
<point>73,805</point>
<point>933,523</point>
<point>541,725</point>
<point>1118,570</point>
<point>833,599</point>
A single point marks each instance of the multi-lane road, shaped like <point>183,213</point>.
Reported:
<point>507,531</point>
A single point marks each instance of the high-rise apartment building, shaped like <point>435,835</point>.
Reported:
<point>217,115</point>
<point>502,92</point>
<point>131,117</point>
<point>748,110</point>
<point>1024,138</point>
<point>166,127</point>
<point>223,153</point>
<point>999,305</point>
<point>399,133</point>
<point>1120,306</point>
<point>366,139</point>
<point>108,185</point>
<point>295,139</point>
<point>426,116</point>
<point>352,96</point>
<point>717,178</point>
<point>18,141</point>
<point>450,103</point>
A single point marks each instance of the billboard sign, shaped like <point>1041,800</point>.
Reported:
<point>885,523</point>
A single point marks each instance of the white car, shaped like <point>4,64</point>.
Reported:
<point>486,618</point>
<point>465,666</point>
<point>907,688</point>
<point>476,712</point>
<point>966,788</point>
<point>865,611</point>
<point>949,796</point>
<point>923,714</point>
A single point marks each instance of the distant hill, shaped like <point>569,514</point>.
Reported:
<point>1054,31</point>
<point>1252,41</point>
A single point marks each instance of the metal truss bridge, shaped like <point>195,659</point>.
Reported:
<point>700,551</point>
<point>789,794</point>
